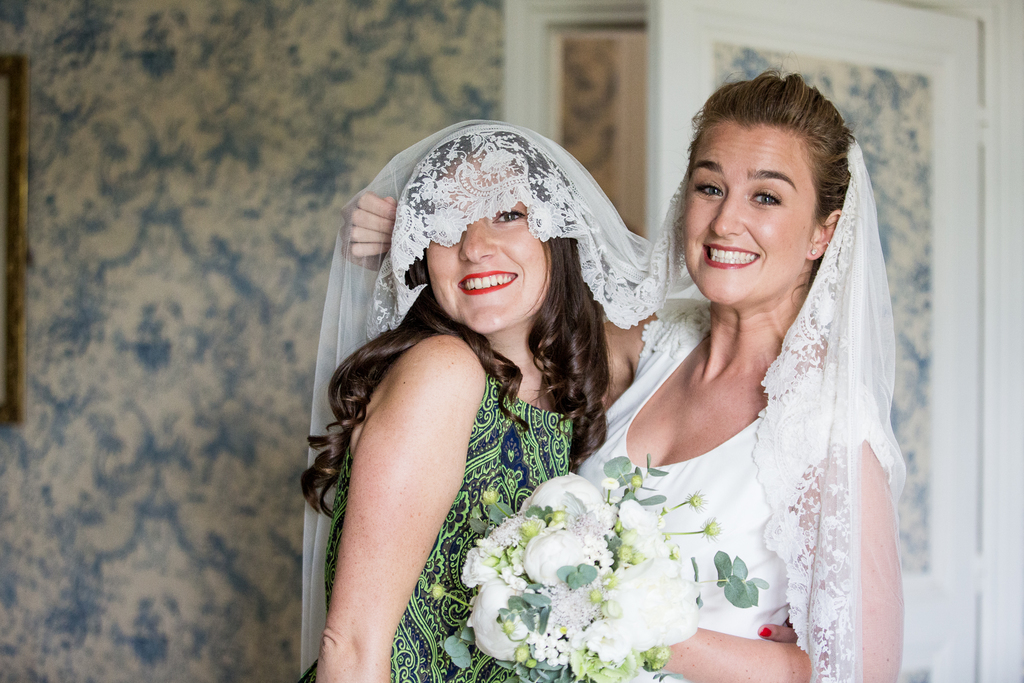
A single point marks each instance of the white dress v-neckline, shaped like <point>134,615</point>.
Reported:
<point>726,476</point>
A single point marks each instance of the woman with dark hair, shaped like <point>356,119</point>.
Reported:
<point>769,389</point>
<point>483,376</point>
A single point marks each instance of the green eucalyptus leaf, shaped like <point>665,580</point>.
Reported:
<point>505,509</point>
<point>467,634</point>
<point>656,472</point>
<point>458,651</point>
<point>504,613</point>
<point>536,600</point>
<point>760,583</point>
<point>588,572</point>
<point>724,565</point>
<point>751,593</point>
<point>628,495</point>
<point>504,665</point>
<point>617,468</point>
<point>542,618</point>
<point>700,601</point>
<point>529,619</point>
<point>495,514</point>
<point>537,511</point>
<point>653,500</point>
<point>564,572</point>
<point>736,593</point>
<point>478,525</point>
<point>739,568</point>
<point>574,580</point>
<point>696,572</point>
<point>516,603</point>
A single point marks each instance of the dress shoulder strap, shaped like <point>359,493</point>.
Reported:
<point>681,325</point>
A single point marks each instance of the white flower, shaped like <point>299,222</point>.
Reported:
<point>554,493</point>
<point>633,516</point>
<point>609,484</point>
<point>513,578</point>
<point>659,605</point>
<point>548,553</point>
<point>608,641</point>
<point>475,571</point>
<point>490,636</point>
<point>652,546</point>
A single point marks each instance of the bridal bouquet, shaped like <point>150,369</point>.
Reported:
<point>580,586</point>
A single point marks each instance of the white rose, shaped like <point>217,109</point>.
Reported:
<point>652,546</point>
<point>475,572</point>
<point>606,639</point>
<point>633,516</point>
<point>547,553</point>
<point>553,493</point>
<point>659,605</point>
<point>490,636</point>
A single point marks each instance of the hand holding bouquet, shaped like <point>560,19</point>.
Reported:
<point>578,585</point>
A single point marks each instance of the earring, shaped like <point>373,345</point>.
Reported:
<point>814,252</point>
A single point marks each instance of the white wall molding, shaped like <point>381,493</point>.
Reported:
<point>529,27</point>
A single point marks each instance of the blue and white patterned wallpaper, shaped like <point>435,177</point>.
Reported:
<point>890,114</point>
<point>188,159</point>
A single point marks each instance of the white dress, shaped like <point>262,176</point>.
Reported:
<point>726,476</point>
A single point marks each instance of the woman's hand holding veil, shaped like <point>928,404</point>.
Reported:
<point>372,224</point>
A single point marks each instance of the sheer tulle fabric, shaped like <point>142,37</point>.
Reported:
<point>826,453</point>
<point>468,171</point>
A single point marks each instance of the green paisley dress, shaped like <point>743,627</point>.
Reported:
<point>504,458</point>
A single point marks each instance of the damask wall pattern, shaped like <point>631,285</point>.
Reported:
<point>890,113</point>
<point>188,162</point>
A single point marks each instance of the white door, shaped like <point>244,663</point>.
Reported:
<point>907,81</point>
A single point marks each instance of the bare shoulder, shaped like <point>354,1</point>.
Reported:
<point>624,347</point>
<point>437,383</point>
<point>439,368</point>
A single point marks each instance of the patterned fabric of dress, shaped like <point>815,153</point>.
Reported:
<point>502,458</point>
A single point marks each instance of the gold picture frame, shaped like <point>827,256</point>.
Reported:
<point>13,243</point>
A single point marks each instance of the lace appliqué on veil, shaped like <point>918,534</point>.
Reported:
<point>475,175</point>
<point>809,452</point>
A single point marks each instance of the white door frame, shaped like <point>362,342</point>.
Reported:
<point>998,560</point>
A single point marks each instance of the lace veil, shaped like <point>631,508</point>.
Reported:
<point>453,178</point>
<point>829,392</point>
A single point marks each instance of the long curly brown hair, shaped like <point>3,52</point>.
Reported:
<point>568,345</point>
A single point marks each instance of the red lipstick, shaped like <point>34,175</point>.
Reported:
<point>485,290</point>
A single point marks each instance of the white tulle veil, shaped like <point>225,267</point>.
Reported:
<point>468,171</point>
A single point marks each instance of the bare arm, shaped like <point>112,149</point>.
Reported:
<point>624,348</point>
<point>407,467</point>
<point>713,657</point>
<point>881,576</point>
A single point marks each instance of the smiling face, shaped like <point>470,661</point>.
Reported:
<point>494,279</point>
<point>748,222</point>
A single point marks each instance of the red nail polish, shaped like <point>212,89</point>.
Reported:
<point>765,632</point>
